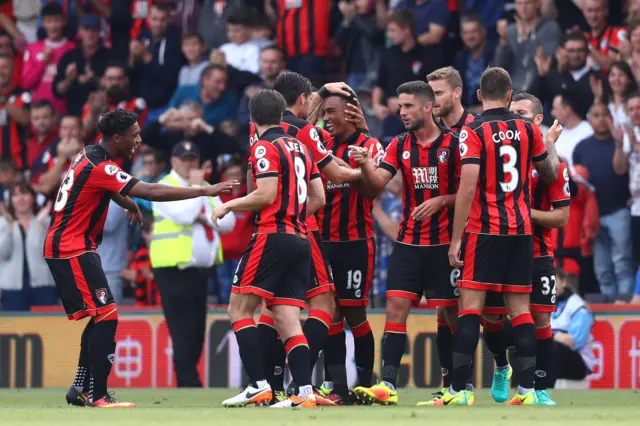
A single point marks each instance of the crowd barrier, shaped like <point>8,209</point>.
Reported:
<point>41,350</point>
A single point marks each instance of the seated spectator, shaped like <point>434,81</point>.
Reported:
<point>475,57</point>
<point>571,72</point>
<point>26,280</point>
<point>218,104</point>
<point>42,57</point>
<point>80,69</point>
<point>572,325</point>
<point>187,124</point>
<point>240,52</point>
<point>156,59</point>
<point>113,248</point>
<point>569,110</point>
<point>619,85</point>
<point>361,42</point>
<point>432,19</point>
<point>261,32</point>
<point>45,130</point>
<point>14,115</point>
<point>612,251</point>
<point>604,40</point>
<point>9,176</point>
<point>193,49</point>
<point>49,168</point>
<point>522,40</point>
<point>153,166</point>
<point>114,93</point>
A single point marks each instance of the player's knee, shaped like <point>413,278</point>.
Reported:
<point>517,303</point>
<point>323,302</point>
<point>541,319</point>
<point>398,310</point>
<point>471,299</point>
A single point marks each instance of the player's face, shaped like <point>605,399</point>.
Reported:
<point>595,12</point>
<point>70,128</point>
<point>334,117</point>
<point>43,120</point>
<point>525,109</point>
<point>577,53</point>
<point>53,26</point>
<point>445,98</point>
<point>598,118</point>
<point>6,71</point>
<point>618,80</point>
<point>413,111</point>
<point>304,104</point>
<point>128,141</point>
<point>633,109</point>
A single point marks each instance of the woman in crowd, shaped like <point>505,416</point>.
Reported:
<point>25,278</point>
<point>619,85</point>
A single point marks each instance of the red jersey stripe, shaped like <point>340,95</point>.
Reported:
<point>303,26</point>
<point>544,198</point>
<point>12,135</point>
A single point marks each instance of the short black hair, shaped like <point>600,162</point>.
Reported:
<point>114,63</point>
<point>574,36</point>
<point>167,7</point>
<point>266,107</point>
<point>633,95</point>
<point>52,9</point>
<point>115,122</point>
<point>495,84</point>
<point>239,17</point>
<point>536,105</point>
<point>209,69</point>
<point>43,103</point>
<point>471,17</point>
<point>418,88</point>
<point>291,85</point>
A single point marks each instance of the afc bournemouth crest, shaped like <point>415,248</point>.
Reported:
<point>443,155</point>
<point>101,294</point>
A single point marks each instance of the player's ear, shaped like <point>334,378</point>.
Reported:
<point>479,95</point>
<point>457,92</point>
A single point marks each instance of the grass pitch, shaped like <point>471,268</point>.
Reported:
<point>191,407</point>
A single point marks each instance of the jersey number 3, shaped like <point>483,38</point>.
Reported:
<point>509,167</point>
<point>63,192</point>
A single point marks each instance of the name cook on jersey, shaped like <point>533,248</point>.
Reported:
<point>496,137</point>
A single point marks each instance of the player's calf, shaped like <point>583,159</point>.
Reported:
<point>316,327</point>
<point>524,338</point>
<point>273,353</point>
<point>79,393</point>
<point>544,372</point>
<point>363,341</point>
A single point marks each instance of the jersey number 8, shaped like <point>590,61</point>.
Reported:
<point>63,192</point>
<point>300,169</point>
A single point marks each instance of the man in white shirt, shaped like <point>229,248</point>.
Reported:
<point>575,128</point>
<point>182,277</point>
<point>241,52</point>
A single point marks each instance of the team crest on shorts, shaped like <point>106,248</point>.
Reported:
<point>101,294</point>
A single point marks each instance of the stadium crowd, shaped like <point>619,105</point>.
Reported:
<point>189,67</point>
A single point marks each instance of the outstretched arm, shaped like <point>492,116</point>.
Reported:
<point>160,192</point>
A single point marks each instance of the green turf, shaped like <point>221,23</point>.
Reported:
<point>190,407</point>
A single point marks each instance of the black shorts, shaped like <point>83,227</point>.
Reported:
<point>352,264</point>
<point>321,278</point>
<point>543,289</point>
<point>498,263</point>
<point>82,285</point>
<point>417,270</point>
<point>275,267</point>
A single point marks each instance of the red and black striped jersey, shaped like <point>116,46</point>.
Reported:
<point>428,171</point>
<point>544,198</point>
<point>608,40</point>
<point>504,144</point>
<point>81,205</point>
<point>465,118</point>
<point>13,136</point>
<point>303,26</point>
<point>139,14</point>
<point>310,136</point>
<point>277,154</point>
<point>346,216</point>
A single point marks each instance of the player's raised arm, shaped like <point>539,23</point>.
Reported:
<point>545,156</point>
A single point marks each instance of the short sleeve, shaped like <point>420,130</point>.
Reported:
<point>377,150</point>
<point>469,147</point>
<point>310,137</point>
<point>108,176</point>
<point>539,149</point>
<point>390,161</point>
<point>265,160</point>
<point>315,172</point>
<point>440,14</point>
<point>559,191</point>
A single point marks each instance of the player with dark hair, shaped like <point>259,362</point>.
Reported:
<point>287,188</point>
<point>427,157</point>
<point>497,152</point>
<point>79,214</point>
<point>297,90</point>
<point>549,209</point>
<point>346,228</point>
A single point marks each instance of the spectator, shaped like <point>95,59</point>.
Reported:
<point>572,325</point>
<point>218,103</point>
<point>26,17</point>
<point>156,59</point>
<point>9,176</point>
<point>212,24</point>
<point>127,20</point>
<point>620,84</point>
<point>185,245</point>
<point>405,60</point>
<point>432,19</point>
<point>43,121</point>
<point>240,52</point>
<point>473,59</point>
<point>42,57</point>
<point>193,50</point>
<point>14,115</point>
<point>302,30</point>
<point>139,271</point>
<point>237,81</point>
<point>271,65</point>
<point>234,243</point>
<point>567,110</point>
<point>50,167</point>
<point>26,280</point>
<point>114,93</point>
<point>6,49</point>
<point>261,32</point>
<point>604,40</point>
<point>566,13</point>
<point>80,69</point>
<point>489,12</point>
<point>187,124</point>
<point>522,40</point>
<point>632,53</point>
<point>153,166</point>
<point>572,71</point>
<point>612,251</point>
<point>113,248</point>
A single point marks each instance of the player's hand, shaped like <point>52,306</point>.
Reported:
<point>44,212</point>
<point>554,132</point>
<point>382,111</point>
<point>71,72</point>
<point>315,108</point>
<point>359,154</point>
<point>135,216</point>
<point>221,188</point>
<point>427,209</point>
<point>340,88</point>
<point>454,254</point>
<point>355,116</point>
<point>219,213</point>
